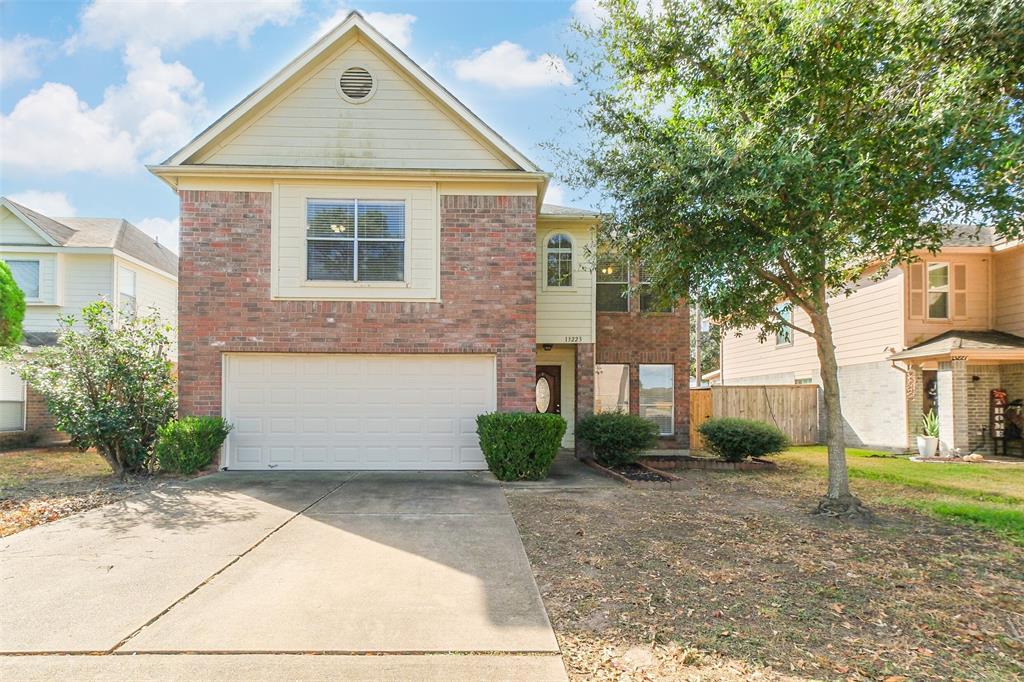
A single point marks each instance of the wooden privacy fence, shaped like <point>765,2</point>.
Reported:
<point>792,408</point>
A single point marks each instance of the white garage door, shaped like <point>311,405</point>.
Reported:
<point>319,411</point>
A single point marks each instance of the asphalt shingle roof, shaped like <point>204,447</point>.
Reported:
<point>956,339</point>
<point>111,233</point>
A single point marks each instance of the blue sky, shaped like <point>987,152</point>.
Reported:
<point>89,92</point>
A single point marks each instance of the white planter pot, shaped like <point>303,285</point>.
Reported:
<point>926,446</point>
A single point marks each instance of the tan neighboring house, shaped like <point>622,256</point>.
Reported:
<point>61,265</point>
<point>940,333</point>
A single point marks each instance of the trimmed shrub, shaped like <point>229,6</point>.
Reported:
<point>736,439</point>
<point>520,446</point>
<point>188,444</point>
<point>616,437</point>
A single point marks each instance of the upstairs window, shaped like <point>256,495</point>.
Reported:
<point>938,291</point>
<point>126,301</point>
<point>784,336</point>
<point>559,260</point>
<point>355,240</point>
<point>649,301</point>
<point>26,276</point>
<point>612,284</point>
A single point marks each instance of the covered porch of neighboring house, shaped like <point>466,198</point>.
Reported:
<point>974,380</point>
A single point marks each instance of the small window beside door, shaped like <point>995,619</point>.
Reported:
<point>611,388</point>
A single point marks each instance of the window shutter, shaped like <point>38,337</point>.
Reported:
<point>959,290</point>
<point>917,291</point>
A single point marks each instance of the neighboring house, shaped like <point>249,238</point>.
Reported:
<point>61,265</point>
<point>366,266</point>
<point>939,333</point>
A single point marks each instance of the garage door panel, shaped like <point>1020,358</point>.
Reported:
<point>350,411</point>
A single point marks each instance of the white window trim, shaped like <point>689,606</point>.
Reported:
<point>39,277</point>
<point>544,271</point>
<point>928,290</point>
<point>672,394</point>
<point>356,283</point>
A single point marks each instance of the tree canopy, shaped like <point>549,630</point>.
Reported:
<point>12,307</point>
<point>765,151</point>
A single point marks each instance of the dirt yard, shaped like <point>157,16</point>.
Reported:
<point>733,579</point>
<point>40,485</point>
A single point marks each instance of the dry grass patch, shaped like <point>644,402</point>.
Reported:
<point>39,485</point>
<point>733,579</point>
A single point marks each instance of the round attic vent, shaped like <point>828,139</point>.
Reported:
<point>356,84</point>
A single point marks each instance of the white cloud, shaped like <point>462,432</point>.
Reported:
<point>508,66</point>
<point>555,194</point>
<point>396,27</point>
<point>51,130</point>
<point>163,230</point>
<point>53,204</point>
<point>19,57</point>
<point>175,23</point>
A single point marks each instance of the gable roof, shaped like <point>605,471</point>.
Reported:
<point>354,22</point>
<point>107,233</point>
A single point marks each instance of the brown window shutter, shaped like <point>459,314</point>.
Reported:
<point>959,290</point>
<point>917,294</point>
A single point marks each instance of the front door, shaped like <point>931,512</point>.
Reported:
<point>549,389</point>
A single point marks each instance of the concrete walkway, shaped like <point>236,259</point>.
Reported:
<point>235,576</point>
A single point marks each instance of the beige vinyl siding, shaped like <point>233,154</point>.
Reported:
<point>978,315</point>
<point>14,231</point>
<point>864,325</point>
<point>566,315</point>
<point>49,295</point>
<point>422,242</point>
<point>399,126</point>
<point>83,279</point>
<point>1008,300</point>
<point>153,291</point>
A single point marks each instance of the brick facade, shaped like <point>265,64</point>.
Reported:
<point>634,338</point>
<point>39,428</point>
<point>488,291</point>
<point>584,404</point>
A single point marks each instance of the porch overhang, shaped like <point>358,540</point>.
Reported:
<point>976,347</point>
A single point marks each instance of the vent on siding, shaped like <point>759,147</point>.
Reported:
<point>356,83</point>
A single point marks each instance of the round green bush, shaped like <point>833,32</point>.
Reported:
<point>189,444</point>
<point>616,437</point>
<point>520,446</point>
<point>736,439</point>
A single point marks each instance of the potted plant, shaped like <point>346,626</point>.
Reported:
<point>928,441</point>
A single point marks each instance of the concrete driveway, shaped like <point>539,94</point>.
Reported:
<point>242,576</point>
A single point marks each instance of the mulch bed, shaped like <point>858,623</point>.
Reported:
<point>692,462</point>
<point>637,475</point>
<point>732,578</point>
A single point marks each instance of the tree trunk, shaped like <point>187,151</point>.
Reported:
<point>838,501</point>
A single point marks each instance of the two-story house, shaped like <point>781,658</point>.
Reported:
<point>61,265</point>
<point>366,266</point>
<point>938,333</point>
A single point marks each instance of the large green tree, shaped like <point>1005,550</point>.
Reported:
<point>756,152</point>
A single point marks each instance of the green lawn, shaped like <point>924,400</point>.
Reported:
<point>989,495</point>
